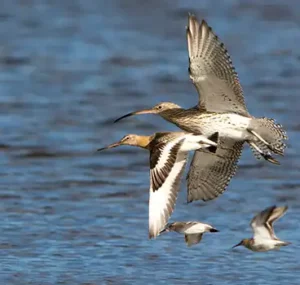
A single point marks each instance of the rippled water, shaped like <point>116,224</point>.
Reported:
<point>70,215</point>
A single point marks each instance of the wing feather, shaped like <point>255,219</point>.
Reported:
<point>164,184</point>
<point>212,71</point>
<point>210,173</point>
<point>260,225</point>
<point>276,214</point>
<point>193,239</point>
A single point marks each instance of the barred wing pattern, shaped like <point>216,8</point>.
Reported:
<point>212,71</point>
<point>210,173</point>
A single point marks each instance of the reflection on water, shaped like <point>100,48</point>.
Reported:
<point>71,215</point>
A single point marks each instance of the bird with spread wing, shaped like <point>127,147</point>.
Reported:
<point>221,108</point>
<point>264,238</point>
<point>168,155</point>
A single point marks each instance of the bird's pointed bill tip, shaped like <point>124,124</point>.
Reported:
<point>123,117</point>
<point>165,230</point>
<point>109,146</point>
<point>145,111</point>
<point>239,244</point>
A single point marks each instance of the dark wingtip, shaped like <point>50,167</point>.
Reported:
<point>212,149</point>
<point>214,137</point>
<point>214,230</point>
<point>204,23</point>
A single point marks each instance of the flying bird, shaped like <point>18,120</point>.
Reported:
<point>168,155</point>
<point>264,238</point>
<point>221,108</point>
<point>193,231</point>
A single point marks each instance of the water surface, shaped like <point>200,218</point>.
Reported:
<point>70,215</point>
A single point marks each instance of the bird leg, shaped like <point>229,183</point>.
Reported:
<point>264,141</point>
<point>266,156</point>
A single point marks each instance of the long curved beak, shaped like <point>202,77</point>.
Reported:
<point>146,111</point>
<point>240,243</point>
<point>109,146</point>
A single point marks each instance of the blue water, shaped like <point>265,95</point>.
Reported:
<point>70,215</point>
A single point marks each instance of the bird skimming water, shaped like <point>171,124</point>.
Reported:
<point>264,238</point>
<point>193,231</point>
<point>168,155</point>
<point>221,108</point>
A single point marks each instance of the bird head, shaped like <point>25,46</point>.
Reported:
<point>169,227</point>
<point>126,140</point>
<point>245,242</point>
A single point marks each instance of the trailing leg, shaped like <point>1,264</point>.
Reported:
<point>260,153</point>
<point>267,132</point>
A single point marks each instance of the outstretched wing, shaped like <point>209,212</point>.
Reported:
<point>210,173</point>
<point>212,71</point>
<point>192,239</point>
<point>262,223</point>
<point>277,213</point>
<point>166,168</point>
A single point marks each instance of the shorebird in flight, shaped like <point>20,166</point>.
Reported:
<point>168,155</point>
<point>264,238</point>
<point>193,231</point>
<point>221,108</point>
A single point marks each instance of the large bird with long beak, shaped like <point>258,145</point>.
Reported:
<point>221,108</point>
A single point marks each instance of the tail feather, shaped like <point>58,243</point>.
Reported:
<point>285,243</point>
<point>256,153</point>
<point>272,133</point>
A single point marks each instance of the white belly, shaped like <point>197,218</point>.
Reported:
<point>264,244</point>
<point>194,142</point>
<point>196,229</point>
<point>227,125</point>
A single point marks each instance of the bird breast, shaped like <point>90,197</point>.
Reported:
<point>226,124</point>
<point>196,229</point>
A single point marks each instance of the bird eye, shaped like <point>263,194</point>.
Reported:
<point>159,107</point>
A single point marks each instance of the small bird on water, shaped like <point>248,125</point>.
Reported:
<point>168,155</point>
<point>264,238</point>
<point>193,231</point>
<point>221,108</point>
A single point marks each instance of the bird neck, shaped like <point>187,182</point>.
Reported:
<point>143,141</point>
<point>248,242</point>
<point>172,115</point>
